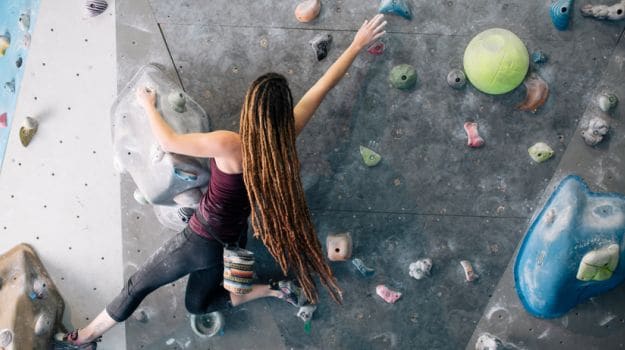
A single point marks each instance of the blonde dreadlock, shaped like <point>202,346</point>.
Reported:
<point>280,216</point>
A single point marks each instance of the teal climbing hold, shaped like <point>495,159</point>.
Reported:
<point>560,12</point>
<point>396,7</point>
<point>403,77</point>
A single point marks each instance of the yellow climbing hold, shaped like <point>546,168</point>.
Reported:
<point>599,265</point>
<point>370,157</point>
<point>5,42</point>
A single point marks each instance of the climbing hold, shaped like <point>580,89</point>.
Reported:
<point>537,92</point>
<point>321,45</point>
<point>339,246</point>
<point>387,294</point>
<point>3,120</point>
<point>307,10</point>
<point>28,130</point>
<point>156,153</point>
<point>474,140</point>
<point>563,264</point>
<point>44,324</point>
<point>456,79</point>
<point>24,21</point>
<point>607,101</point>
<point>95,7</point>
<point>40,289</point>
<point>403,77</point>
<point>18,62</point>
<point>362,268</point>
<point>139,197</point>
<point>177,101</point>
<point>560,12</point>
<point>185,175</point>
<point>469,274</point>
<point>377,48</point>
<point>539,57</point>
<point>370,157</point>
<point>496,61</point>
<point>9,86</point>
<point>613,13</point>
<point>305,313</point>
<point>142,316</point>
<point>420,268</point>
<point>540,152</point>
<point>185,214</point>
<point>488,341</point>
<point>594,132</point>
<point>599,265</point>
<point>5,42</point>
<point>395,7</point>
<point>25,41</point>
<point>6,338</point>
<point>207,325</point>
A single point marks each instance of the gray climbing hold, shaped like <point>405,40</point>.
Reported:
<point>321,45</point>
<point>539,57</point>
<point>142,316</point>
<point>403,77</point>
<point>540,152</point>
<point>456,79</point>
<point>595,131</point>
<point>488,341</point>
<point>18,62</point>
<point>207,325</point>
<point>28,130</point>
<point>44,324</point>
<point>6,337</point>
<point>177,101</point>
<point>370,157</point>
<point>24,21</point>
<point>362,268</point>
<point>139,197</point>
<point>95,7</point>
<point>607,101</point>
<point>9,86</point>
<point>614,13</point>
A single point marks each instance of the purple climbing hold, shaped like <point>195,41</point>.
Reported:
<point>321,45</point>
<point>396,7</point>
<point>376,48</point>
<point>95,7</point>
<point>3,120</point>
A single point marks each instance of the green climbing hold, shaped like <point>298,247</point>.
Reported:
<point>370,157</point>
<point>599,265</point>
<point>403,77</point>
<point>540,152</point>
<point>307,327</point>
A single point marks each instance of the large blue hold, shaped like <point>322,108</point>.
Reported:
<point>574,225</point>
<point>561,13</point>
<point>396,7</point>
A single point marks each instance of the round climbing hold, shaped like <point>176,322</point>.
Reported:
<point>540,152</point>
<point>496,61</point>
<point>95,7</point>
<point>6,337</point>
<point>307,10</point>
<point>456,79</point>
<point>539,57</point>
<point>207,325</point>
<point>5,42</point>
<point>177,101</point>
<point>403,77</point>
<point>607,101</point>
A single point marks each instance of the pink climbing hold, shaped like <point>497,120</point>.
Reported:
<point>307,10</point>
<point>388,295</point>
<point>474,139</point>
<point>3,120</point>
<point>376,48</point>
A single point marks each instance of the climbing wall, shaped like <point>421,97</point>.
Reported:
<point>430,196</point>
<point>61,194</point>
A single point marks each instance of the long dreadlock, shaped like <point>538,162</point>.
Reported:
<point>271,171</point>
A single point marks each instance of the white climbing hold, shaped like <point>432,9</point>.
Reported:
<point>488,341</point>
<point>420,268</point>
<point>469,273</point>
<point>139,197</point>
<point>305,313</point>
<point>24,21</point>
<point>6,337</point>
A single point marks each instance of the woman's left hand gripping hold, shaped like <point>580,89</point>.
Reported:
<point>146,97</point>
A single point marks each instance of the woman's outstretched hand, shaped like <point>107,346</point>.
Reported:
<point>146,97</point>
<point>369,32</point>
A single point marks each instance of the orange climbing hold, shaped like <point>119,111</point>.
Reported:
<point>307,10</point>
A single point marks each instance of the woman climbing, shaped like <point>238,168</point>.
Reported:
<point>254,172</point>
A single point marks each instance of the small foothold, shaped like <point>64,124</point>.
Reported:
<point>156,153</point>
<point>474,140</point>
<point>540,152</point>
<point>370,157</point>
<point>321,45</point>
<point>141,316</point>
<point>3,120</point>
<point>594,133</point>
<point>6,337</point>
<point>339,246</point>
<point>18,62</point>
<point>9,86</point>
<point>28,130</point>
<point>560,12</point>
<point>40,289</point>
<point>395,7</point>
<point>614,13</point>
<point>539,57</point>
<point>599,265</point>
<point>420,268</point>
<point>25,41</point>
<point>24,21</point>
<point>403,77</point>
<point>390,296</point>
<point>537,92</point>
<point>177,101</point>
<point>43,325</point>
<point>362,268</point>
<point>207,325</point>
<point>456,79</point>
<point>307,10</point>
<point>5,42</point>
<point>377,48</point>
<point>185,175</point>
<point>95,7</point>
<point>607,101</point>
<point>469,273</point>
<point>305,313</point>
<point>139,197</point>
<point>488,341</point>
<point>550,217</point>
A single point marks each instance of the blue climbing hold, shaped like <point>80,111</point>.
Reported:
<point>561,13</point>
<point>396,7</point>
<point>571,251</point>
<point>539,57</point>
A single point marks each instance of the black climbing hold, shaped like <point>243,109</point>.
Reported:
<point>321,45</point>
<point>95,7</point>
<point>18,62</point>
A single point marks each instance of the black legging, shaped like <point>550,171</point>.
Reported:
<point>185,253</point>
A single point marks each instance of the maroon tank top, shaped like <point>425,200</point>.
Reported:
<point>225,207</point>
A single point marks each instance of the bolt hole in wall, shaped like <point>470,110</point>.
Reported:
<point>17,18</point>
